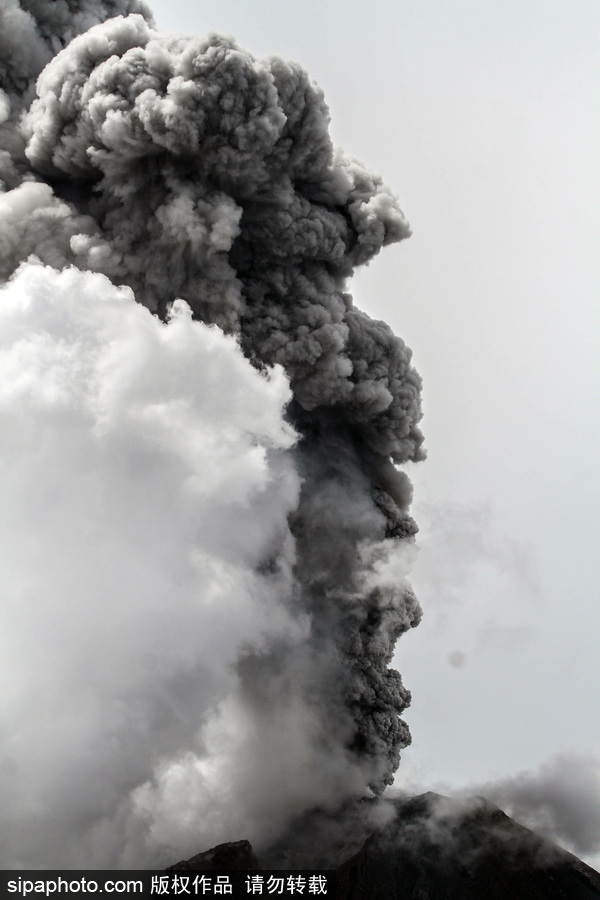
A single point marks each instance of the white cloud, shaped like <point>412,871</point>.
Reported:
<point>146,480</point>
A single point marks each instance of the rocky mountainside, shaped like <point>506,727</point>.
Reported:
<point>428,847</point>
<point>436,849</point>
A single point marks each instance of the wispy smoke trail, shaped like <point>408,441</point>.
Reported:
<point>216,569</point>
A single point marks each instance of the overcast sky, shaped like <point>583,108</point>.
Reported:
<point>483,117</point>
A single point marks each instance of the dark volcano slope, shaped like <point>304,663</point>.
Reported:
<point>436,849</point>
<point>430,848</point>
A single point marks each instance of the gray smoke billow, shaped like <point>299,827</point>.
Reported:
<point>185,173</point>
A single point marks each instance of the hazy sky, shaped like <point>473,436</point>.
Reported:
<point>484,119</point>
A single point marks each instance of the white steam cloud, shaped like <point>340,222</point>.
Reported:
<point>205,534</point>
<point>133,575</point>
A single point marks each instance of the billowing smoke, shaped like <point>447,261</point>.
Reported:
<point>205,531</point>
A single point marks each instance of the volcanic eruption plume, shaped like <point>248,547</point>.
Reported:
<point>205,534</point>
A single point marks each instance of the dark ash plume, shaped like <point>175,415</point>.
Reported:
<point>33,31</point>
<point>184,168</point>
